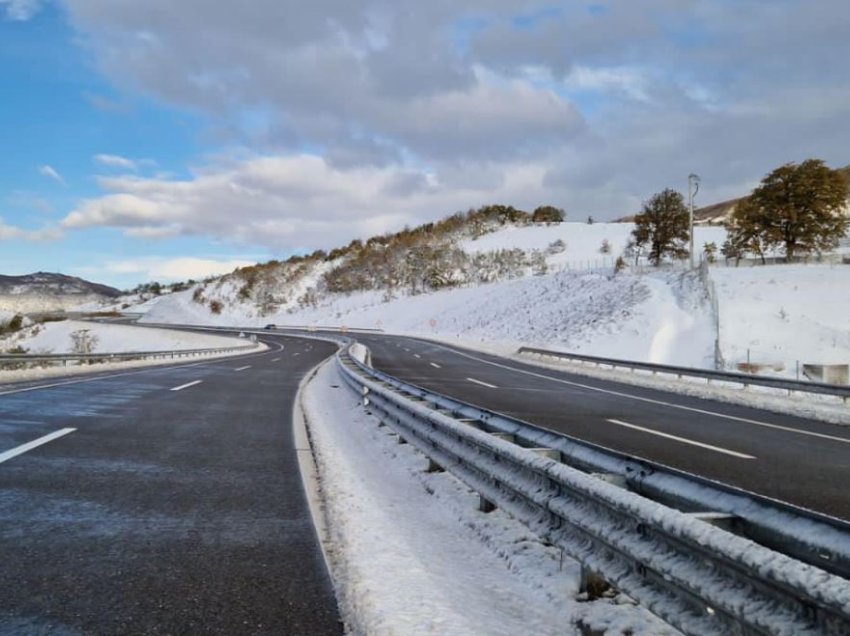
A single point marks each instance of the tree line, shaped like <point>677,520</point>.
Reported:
<point>799,209</point>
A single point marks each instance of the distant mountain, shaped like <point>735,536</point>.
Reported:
<point>44,291</point>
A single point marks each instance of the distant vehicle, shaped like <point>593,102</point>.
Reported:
<point>270,326</point>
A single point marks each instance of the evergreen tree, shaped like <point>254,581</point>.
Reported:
<point>797,207</point>
<point>663,225</point>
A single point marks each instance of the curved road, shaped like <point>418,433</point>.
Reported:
<point>797,460</point>
<point>166,500</point>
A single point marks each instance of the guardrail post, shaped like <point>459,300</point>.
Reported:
<point>592,583</point>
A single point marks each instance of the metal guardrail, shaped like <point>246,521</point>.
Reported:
<point>723,376</point>
<point>19,360</point>
<point>695,575</point>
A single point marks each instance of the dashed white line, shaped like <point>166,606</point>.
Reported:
<point>186,386</point>
<point>298,353</point>
<point>676,438</point>
<point>489,386</point>
<point>242,368</point>
<point>630,396</point>
<point>275,359</point>
<point>23,448</point>
<point>436,366</point>
<point>416,355</point>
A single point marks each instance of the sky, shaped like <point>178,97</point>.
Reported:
<point>165,140</point>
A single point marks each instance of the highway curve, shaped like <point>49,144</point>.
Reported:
<point>174,506</point>
<point>797,460</point>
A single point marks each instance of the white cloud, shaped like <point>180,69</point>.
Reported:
<point>51,173</point>
<point>166,269</point>
<point>423,108</point>
<point>11,232</point>
<point>116,161</point>
<point>629,81</point>
<point>20,10</point>
<point>291,202</point>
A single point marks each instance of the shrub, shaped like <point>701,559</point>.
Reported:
<point>216,306</point>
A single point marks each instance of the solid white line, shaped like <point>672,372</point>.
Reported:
<point>436,366</point>
<point>735,418</point>
<point>186,386</point>
<point>243,368</point>
<point>682,439</point>
<point>489,386</point>
<point>23,448</point>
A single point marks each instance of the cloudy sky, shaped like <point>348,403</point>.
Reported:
<point>170,139</point>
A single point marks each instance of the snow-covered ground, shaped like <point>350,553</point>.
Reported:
<point>784,313</point>
<point>411,554</point>
<point>55,337</point>
<point>781,313</point>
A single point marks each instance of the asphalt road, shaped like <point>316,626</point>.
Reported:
<point>793,459</point>
<point>164,500</point>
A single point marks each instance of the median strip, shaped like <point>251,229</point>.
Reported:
<point>489,386</point>
<point>676,438</point>
<point>186,386</point>
<point>23,448</point>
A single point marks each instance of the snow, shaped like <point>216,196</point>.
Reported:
<point>55,337</point>
<point>781,313</point>
<point>784,314</point>
<point>410,553</point>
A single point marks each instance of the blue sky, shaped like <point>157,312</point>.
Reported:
<point>164,140</point>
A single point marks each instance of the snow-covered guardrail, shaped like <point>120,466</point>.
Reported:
<point>681,565</point>
<point>21,360</point>
<point>721,376</point>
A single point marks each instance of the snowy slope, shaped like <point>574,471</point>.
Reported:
<point>785,313</point>
<point>781,313</point>
<point>55,337</point>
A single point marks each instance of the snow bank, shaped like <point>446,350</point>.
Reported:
<point>784,313</point>
<point>410,553</point>
<point>55,337</point>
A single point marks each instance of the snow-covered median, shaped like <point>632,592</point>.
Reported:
<point>411,554</point>
<point>56,338</point>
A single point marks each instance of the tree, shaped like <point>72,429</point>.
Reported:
<point>663,225</point>
<point>710,251</point>
<point>547,214</point>
<point>800,208</point>
<point>83,342</point>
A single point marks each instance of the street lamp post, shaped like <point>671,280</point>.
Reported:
<point>693,188</point>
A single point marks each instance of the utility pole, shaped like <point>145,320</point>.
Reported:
<point>693,188</point>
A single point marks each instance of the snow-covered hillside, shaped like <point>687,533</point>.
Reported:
<point>781,313</point>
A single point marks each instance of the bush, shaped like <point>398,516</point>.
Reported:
<point>216,306</point>
<point>83,342</point>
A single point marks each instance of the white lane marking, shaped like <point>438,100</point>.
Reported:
<point>692,409</point>
<point>23,448</point>
<point>248,366</point>
<point>275,359</point>
<point>489,386</point>
<point>416,355</point>
<point>186,386</point>
<point>152,369</point>
<point>296,354</point>
<point>436,366</point>
<point>406,349</point>
<point>682,439</point>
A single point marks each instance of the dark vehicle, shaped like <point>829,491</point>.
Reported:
<point>270,326</point>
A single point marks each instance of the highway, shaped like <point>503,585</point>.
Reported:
<point>796,460</point>
<point>168,499</point>
<point>164,500</point>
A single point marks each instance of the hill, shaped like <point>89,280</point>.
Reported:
<point>45,291</point>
